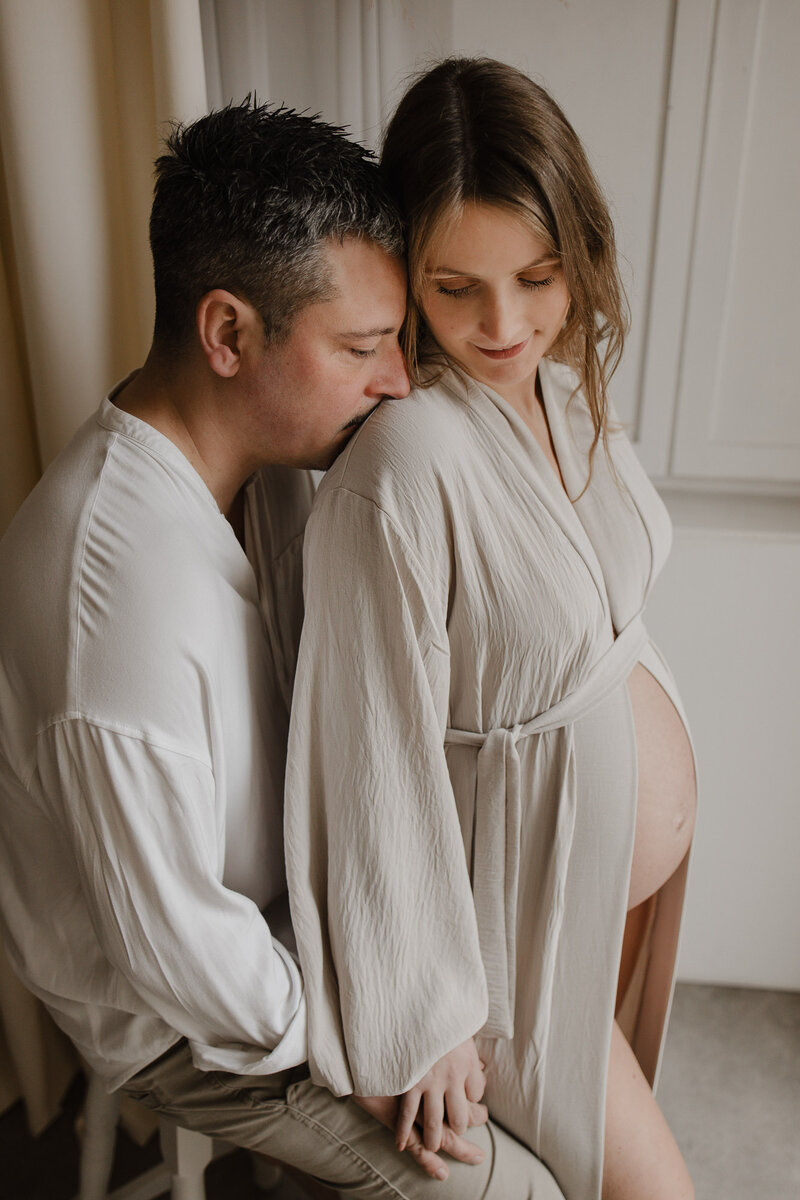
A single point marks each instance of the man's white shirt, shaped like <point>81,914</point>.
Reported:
<point>144,677</point>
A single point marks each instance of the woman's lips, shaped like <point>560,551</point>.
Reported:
<point>507,352</point>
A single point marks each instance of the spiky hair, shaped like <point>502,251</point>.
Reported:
<point>246,199</point>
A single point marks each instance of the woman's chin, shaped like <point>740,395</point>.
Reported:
<point>506,374</point>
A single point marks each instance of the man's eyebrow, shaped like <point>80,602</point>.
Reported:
<point>368,333</point>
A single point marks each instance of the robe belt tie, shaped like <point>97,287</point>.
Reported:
<point>498,824</point>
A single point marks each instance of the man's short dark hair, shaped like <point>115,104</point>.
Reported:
<point>245,199</point>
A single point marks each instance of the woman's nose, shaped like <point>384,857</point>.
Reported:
<point>498,321</point>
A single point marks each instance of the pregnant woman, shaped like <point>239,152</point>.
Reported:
<point>491,790</point>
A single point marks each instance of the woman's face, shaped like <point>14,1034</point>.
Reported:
<point>494,298</point>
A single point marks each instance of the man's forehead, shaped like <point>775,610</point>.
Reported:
<point>357,253</point>
<point>367,287</point>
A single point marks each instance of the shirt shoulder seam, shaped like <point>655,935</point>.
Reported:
<point>163,460</point>
<point>79,609</point>
<point>124,731</point>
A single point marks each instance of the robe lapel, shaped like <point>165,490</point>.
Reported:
<point>507,427</point>
<point>625,554</point>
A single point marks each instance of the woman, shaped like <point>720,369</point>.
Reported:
<point>491,791</point>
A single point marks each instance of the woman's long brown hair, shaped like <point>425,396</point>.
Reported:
<point>480,131</point>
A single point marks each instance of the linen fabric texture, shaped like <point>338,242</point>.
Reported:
<point>144,685</point>
<point>461,776</point>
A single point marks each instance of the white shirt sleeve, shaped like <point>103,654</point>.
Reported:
<point>144,825</point>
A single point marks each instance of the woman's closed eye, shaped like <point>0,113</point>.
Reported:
<point>468,288</point>
<point>459,291</point>
<point>537,283</point>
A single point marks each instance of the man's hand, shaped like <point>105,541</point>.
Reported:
<point>454,1083</point>
<point>385,1109</point>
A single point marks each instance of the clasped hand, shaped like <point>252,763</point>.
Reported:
<point>443,1104</point>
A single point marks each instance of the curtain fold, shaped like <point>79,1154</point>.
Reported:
<point>19,454</point>
<point>358,100</point>
<point>86,89</point>
<point>345,59</point>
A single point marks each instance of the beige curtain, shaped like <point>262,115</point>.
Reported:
<point>86,88</point>
<point>346,59</point>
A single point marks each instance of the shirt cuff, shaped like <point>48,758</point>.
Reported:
<point>290,1051</point>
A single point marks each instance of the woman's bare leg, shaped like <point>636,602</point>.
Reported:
<point>642,1159</point>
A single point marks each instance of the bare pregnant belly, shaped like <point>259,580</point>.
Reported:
<point>667,792</point>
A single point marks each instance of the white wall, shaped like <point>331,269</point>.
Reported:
<point>726,614</point>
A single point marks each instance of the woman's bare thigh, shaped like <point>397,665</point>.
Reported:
<point>642,1160</point>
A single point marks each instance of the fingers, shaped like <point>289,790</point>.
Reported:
<point>475,1085</point>
<point>457,1147</point>
<point>478,1114</point>
<point>456,1081</point>
<point>430,1163</point>
<point>457,1110</point>
<point>461,1149</point>
<point>409,1105</point>
<point>433,1119</point>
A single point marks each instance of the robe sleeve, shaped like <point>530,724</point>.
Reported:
<point>378,879</point>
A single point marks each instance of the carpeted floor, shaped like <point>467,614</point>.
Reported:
<point>730,1089</point>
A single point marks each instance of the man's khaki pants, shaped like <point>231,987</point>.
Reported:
<point>288,1118</point>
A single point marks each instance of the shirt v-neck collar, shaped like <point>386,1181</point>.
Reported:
<point>125,424</point>
<point>116,420</point>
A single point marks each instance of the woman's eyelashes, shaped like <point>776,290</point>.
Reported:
<point>363,353</point>
<point>537,283</point>
<point>461,291</point>
<point>469,288</point>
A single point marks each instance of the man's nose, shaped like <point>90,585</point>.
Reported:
<point>392,379</point>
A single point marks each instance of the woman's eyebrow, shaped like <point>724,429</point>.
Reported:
<point>542,261</point>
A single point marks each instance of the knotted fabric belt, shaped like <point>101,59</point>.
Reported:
<point>497,829</point>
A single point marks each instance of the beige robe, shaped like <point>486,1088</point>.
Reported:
<point>461,783</point>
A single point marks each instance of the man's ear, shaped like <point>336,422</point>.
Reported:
<point>223,321</point>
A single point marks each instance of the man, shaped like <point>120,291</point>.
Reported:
<point>150,593</point>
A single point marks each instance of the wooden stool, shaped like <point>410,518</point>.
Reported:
<point>186,1155</point>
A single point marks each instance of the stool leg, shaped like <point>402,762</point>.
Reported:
<point>187,1155</point>
<point>101,1112</point>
